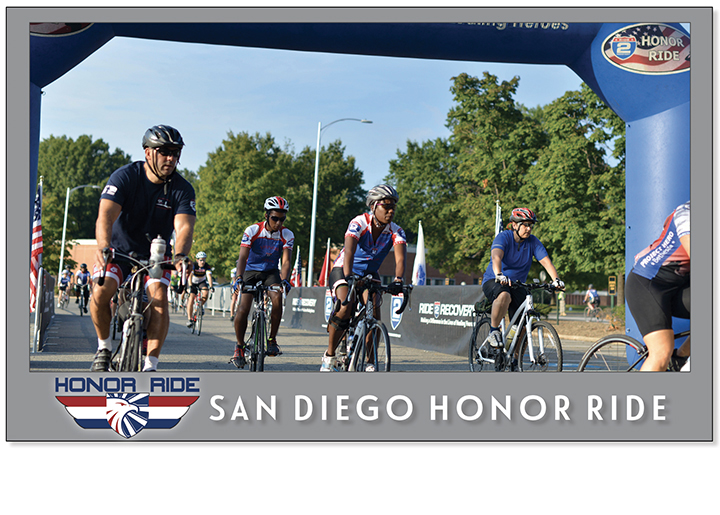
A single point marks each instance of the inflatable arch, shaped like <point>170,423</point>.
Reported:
<point>640,69</point>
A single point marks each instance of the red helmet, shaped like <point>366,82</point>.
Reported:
<point>523,214</point>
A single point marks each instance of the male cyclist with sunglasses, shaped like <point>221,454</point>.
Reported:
<point>511,255</point>
<point>140,201</point>
<point>368,240</point>
<point>264,245</point>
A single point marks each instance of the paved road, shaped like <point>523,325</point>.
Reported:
<point>71,344</point>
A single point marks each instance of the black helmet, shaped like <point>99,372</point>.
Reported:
<point>162,136</point>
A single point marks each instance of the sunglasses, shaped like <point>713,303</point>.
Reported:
<point>166,152</point>
<point>387,206</point>
<point>529,225</point>
<point>278,218</point>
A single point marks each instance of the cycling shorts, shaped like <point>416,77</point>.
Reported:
<point>195,288</point>
<point>492,290</point>
<point>119,272</point>
<point>337,278</point>
<point>653,302</point>
<point>268,278</point>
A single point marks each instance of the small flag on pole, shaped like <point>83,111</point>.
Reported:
<point>419,269</point>
<point>36,247</point>
<point>296,274</point>
<point>498,218</point>
<point>325,271</point>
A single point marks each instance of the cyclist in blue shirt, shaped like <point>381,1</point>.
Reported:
<point>592,297</point>
<point>368,240</point>
<point>140,201</point>
<point>511,256</point>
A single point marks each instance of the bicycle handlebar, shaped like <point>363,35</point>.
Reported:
<point>111,255</point>
<point>536,286</point>
<point>406,290</point>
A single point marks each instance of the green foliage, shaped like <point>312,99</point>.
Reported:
<point>246,169</point>
<point>552,159</point>
<point>64,163</point>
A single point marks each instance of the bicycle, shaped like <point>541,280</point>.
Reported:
<point>198,312</point>
<point>63,299</point>
<point>255,345</point>
<point>618,353</point>
<point>533,347</point>
<point>365,345</point>
<point>128,356</point>
<point>81,288</point>
<point>593,314</point>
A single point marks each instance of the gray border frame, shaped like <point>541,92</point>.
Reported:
<point>689,397</point>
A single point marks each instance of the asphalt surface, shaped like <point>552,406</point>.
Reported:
<point>71,344</point>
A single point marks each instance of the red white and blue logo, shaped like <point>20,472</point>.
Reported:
<point>127,413</point>
<point>395,317</point>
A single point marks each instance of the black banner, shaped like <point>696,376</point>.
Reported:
<point>438,318</point>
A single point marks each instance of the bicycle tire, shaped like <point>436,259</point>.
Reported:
<point>552,358</point>
<point>260,339</point>
<point>81,303</point>
<point>379,349</point>
<point>199,321</point>
<point>128,354</point>
<point>613,353</point>
<point>477,342</point>
<point>357,354</point>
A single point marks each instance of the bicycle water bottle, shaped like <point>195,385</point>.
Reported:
<point>510,336</point>
<point>157,254</point>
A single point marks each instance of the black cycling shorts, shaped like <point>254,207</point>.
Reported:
<point>491,289</point>
<point>337,278</point>
<point>654,302</point>
<point>268,278</point>
<point>195,288</point>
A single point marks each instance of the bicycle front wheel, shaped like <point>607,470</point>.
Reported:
<point>260,339</point>
<point>614,353</point>
<point>128,354</point>
<point>378,348</point>
<point>542,351</point>
<point>478,347</point>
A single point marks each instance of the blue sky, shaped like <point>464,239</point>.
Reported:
<point>205,91</point>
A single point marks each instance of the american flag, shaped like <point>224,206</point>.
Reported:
<point>296,275</point>
<point>36,247</point>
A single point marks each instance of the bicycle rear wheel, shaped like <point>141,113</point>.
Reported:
<point>614,353</point>
<point>479,347</point>
<point>545,337</point>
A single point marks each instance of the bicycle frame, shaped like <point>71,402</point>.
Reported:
<point>259,318</point>
<point>523,318</point>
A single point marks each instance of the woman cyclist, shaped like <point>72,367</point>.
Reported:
<point>368,239</point>
<point>658,288</point>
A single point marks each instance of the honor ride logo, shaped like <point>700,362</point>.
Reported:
<point>122,408</point>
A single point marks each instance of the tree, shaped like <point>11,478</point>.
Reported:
<point>497,145</point>
<point>246,169</point>
<point>578,197</point>
<point>426,176</point>
<point>64,163</point>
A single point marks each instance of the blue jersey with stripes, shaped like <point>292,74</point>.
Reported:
<point>370,253</point>
<point>667,249</point>
<point>266,247</point>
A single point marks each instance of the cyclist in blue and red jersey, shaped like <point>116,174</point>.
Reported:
<point>511,256</point>
<point>264,245</point>
<point>658,288</point>
<point>140,201</point>
<point>368,240</point>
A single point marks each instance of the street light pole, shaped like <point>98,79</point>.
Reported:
<point>311,258</point>
<point>67,203</point>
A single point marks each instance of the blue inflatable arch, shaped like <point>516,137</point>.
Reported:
<point>640,69</point>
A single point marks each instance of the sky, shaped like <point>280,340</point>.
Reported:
<point>207,91</point>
